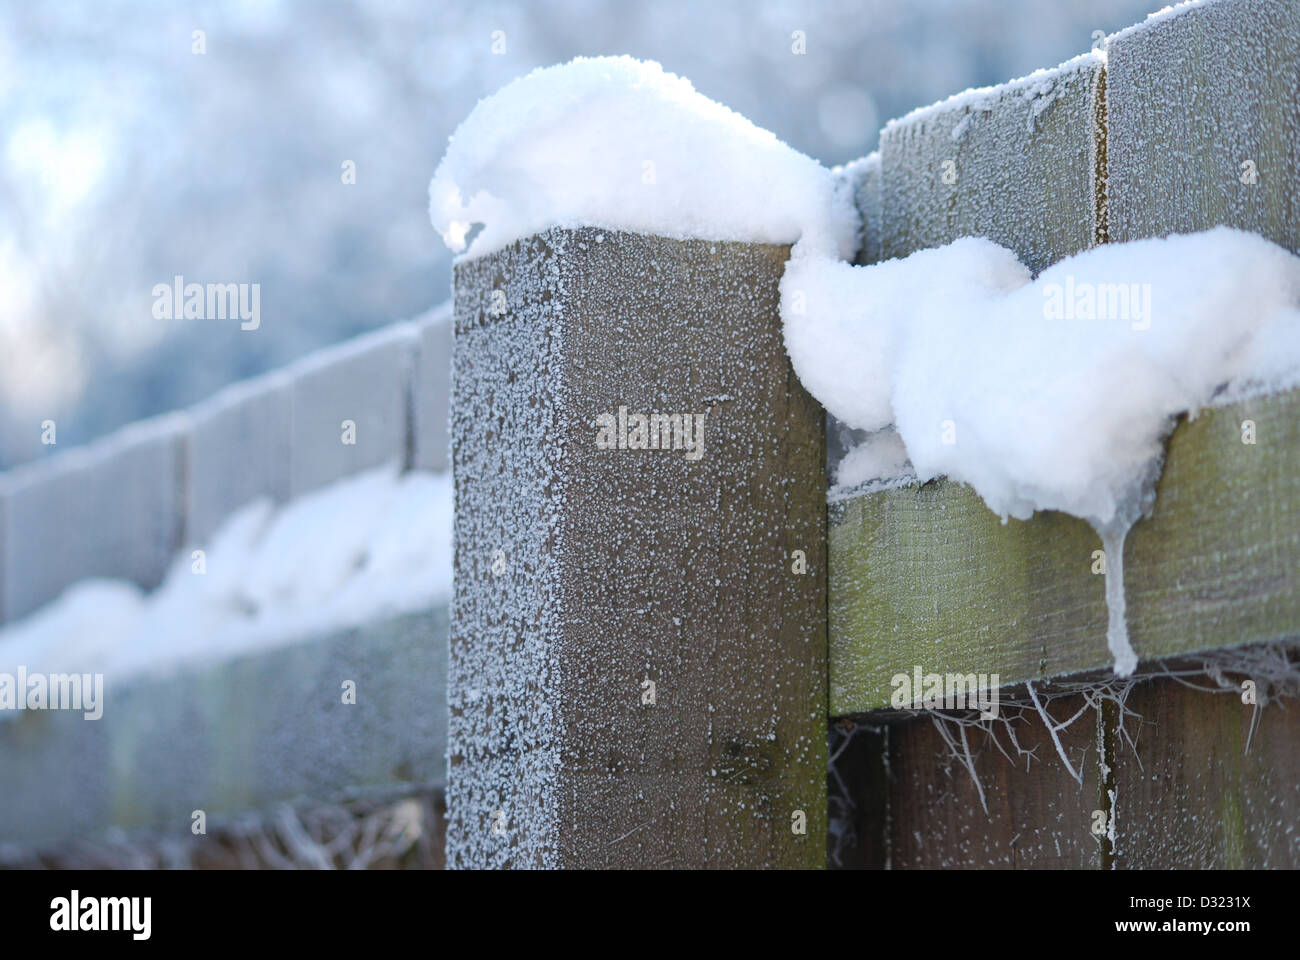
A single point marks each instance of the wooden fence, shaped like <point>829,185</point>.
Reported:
<point>661,632</point>
<point>646,647</point>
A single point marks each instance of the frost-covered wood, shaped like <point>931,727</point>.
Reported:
<point>233,737</point>
<point>1037,815</point>
<point>111,509</point>
<point>928,575</point>
<point>1204,121</point>
<point>351,407</point>
<point>1192,797</point>
<point>1013,163</point>
<point>238,450</point>
<point>638,657</point>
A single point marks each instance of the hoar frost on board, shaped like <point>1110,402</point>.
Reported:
<point>977,370</point>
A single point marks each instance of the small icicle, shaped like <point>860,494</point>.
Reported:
<point>1113,533</point>
<point>1112,542</point>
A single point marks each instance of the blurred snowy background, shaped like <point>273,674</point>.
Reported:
<point>125,158</point>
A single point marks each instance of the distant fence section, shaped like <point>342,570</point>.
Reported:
<point>123,506</point>
<point>260,728</point>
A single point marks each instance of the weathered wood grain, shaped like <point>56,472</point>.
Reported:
<point>1014,163</point>
<point>1204,122</point>
<point>1191,796</point>
<point>624,566</point>
<point>1038,815</point>
<point>928,576</point>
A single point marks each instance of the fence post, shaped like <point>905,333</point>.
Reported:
<point>638,650</point>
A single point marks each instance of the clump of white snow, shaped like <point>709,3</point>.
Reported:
<point>618,143</point>
<point>880,460</point>
<point>1052,393</point>
<point>370,546</point>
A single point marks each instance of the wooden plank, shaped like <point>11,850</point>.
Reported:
<point>1014,163</point>
<point>1192,797</point>
<point>866,176</point>
<point>1038,815</point>
<point>1204,122</point>
<point>619,566</point>
<point>1217,563</point>
<point>928,576</point>
<point>233,737</point>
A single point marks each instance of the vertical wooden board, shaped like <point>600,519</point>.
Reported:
<point>1192,797</point>
<point>679,570</point>
<point>1203,99</point>
<point>238,451</point>
<point>928,576</point>
<point>1038,817</point>
<point>641,564</point>
<point>1015,163</point>
<point>112,509</point>
<point>1217,564</point>
<point>866,197</point>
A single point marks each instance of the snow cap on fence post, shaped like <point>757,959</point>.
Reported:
<point>638,645</point>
